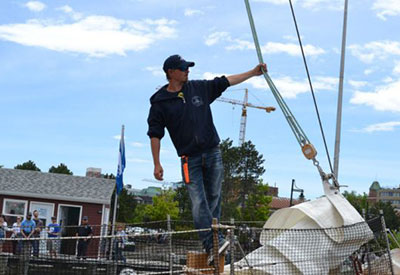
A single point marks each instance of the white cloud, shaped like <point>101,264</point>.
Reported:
<point>310,4</point>
<point>216,37</point>
<point>155,70</point>
<point>396,69</point>
<point>384,98</point>
<point>35,6</point>
<point>375,50</point>
<point>386,8</point>
<point>368,71</point>
<point>291,49</point>
<point>287,86</point>
<point>381,127</point>
<point>68,10</point>
<point>137,144</point>
<point>192,12</point>
<point>357,84</point>
<point>268,48</point>
<point>96,36</point>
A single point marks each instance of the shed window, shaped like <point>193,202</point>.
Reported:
<point>14,207</point>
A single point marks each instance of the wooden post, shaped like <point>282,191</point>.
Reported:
<point>215,246</point>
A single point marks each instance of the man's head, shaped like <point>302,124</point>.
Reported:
<point>175,67</point>
<point>29,216</point>
<point>53,219</point>
<point>85,220</point>
<point>35,214</point>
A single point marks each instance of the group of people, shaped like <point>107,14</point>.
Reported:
<point>26,233</point>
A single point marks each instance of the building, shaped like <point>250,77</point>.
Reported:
<point>144,196</point>
<point>67,197</point>
<point>384,194</point>
<point>281,202</point>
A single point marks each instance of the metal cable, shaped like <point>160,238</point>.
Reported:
<point>311,87</point>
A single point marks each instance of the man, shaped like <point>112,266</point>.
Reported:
<point>36,232</point>
<point>53,233</point>
<point>27,229</point>
<point>84,230</point>
<point>183,107</point>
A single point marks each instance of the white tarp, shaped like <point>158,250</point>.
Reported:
<point>319,251</point>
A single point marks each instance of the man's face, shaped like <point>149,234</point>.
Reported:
<point>180,75</point>
<point>84,222</point>
<point>36,214</point>
<point>28,217</point>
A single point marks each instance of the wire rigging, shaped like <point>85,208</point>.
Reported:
<point>311,86</point>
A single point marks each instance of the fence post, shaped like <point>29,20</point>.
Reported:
<point>387,240</point>
<point>367,244</point>
<point>215,246</point>
<point>232,247</point>
<point>170,244</point>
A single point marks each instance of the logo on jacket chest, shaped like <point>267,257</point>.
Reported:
<point>197,101</point>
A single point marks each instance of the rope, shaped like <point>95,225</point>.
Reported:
<point>311,86</point>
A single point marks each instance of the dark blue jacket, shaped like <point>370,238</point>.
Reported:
<point>187,115</point>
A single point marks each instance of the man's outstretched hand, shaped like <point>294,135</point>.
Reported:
<point>258,70</point>
<point>158,172</point>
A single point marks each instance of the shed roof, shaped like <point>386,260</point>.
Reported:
<point>35,184</point>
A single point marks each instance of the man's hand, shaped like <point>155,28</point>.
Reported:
<point>158,172</point>
<point>258,70</point>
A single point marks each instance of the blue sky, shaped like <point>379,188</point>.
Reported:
<point>72,72</point>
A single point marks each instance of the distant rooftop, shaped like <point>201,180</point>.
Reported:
<point>27,183</point>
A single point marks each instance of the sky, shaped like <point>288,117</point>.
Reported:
<point>73,72</point>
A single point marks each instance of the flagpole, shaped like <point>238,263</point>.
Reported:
<point>116,197</point>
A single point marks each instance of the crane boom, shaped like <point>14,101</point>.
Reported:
<point>244,105</point>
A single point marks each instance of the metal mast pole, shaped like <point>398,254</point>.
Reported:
<point>340,96</point>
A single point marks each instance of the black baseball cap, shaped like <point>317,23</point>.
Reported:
<point>176,62</point>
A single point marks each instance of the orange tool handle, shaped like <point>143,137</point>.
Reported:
<point>185,167</point>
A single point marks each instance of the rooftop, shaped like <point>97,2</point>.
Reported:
<point>26,183</point>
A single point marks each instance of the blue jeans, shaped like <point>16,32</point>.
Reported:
<point>205,173</point>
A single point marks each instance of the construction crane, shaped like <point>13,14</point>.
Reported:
<point>244,105</point>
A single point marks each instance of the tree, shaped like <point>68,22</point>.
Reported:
<point>243,167</point>
<point>163,205</point>
<point>29,165</point>
<point>256,206</point>
<point>184,203</point>
<point>250,169</point>
<point>60,169</point>
<point>360,202</point>
<point>126,204</point>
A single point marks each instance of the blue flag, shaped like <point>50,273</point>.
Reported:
<point>121,163</point>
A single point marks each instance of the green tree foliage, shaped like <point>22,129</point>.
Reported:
<point>257,204</point>
<point>184,203</point>
<point>60,169</point>
<point>126,204</point>
<point>360,202</point>
<point>243,168</point>
<point>29,165</point>
<point>163,205</point>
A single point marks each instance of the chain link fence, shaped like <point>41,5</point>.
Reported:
<point>173,247</point>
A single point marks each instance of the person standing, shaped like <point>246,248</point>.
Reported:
<point>183,107</point>
<point>3,230</point>
<point>16,233</point>
<point>27,229</point>
<point>84,230</point>
<point>53,234</point>
<point>119,244</point>
<point>36,233</point>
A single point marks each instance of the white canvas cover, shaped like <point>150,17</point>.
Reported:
<point>318,251</point>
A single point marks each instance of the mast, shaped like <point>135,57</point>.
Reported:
<point>340,95</point>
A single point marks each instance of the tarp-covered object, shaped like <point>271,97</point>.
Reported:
<point>313,237</point>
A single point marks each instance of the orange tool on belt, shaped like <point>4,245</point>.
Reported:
<point>185,167</point>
